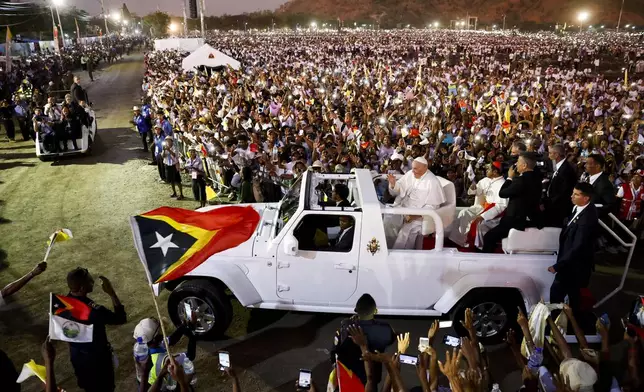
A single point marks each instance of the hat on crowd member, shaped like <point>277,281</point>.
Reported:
<point>396,156</point>
<point>192,148</point>
<point>497,164</point>
<point>582,376</point>
<point>317,164</point>
<point>136,108</point>
<point>146,329</point>
<point>168,137</point>
<point>157,125</point>
<point>421,160</point>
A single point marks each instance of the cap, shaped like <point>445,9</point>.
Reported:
<point>421,160</point>
<point>168,137</point>
<point>497,164</point>
<point>136,108</point>
<point>395,156</point>
<point>146,329</point>
<point>582,376</point>
<point>317,164</point>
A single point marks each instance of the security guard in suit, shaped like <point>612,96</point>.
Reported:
<point>94,362</point>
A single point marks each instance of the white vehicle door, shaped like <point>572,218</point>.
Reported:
<point>323,267</point>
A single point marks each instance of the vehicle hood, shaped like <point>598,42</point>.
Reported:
<point>266,211</point>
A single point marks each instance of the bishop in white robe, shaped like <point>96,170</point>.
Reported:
<point>474,222</point>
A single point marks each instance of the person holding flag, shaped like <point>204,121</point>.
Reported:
<point>13,287</point>
<point>92,361</point>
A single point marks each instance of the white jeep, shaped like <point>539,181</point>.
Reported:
<point>290,263</point>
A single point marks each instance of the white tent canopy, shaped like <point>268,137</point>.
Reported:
<point>209,57</point>
<point>185,44</point>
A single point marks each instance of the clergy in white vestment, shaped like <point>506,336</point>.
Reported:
<point>474,222</point>
<point>418,188</point>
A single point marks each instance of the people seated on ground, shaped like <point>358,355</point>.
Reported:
<point>418,188</point>
<point>474,222</point>
<point>523,191</point>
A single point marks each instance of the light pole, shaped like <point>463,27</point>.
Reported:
<point>582,17</point>
<point>60,25</point>
<point>619,20</point>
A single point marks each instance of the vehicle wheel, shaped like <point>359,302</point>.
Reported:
<point>495,312</point>
<point>212,306</point>
<point>90,144</point>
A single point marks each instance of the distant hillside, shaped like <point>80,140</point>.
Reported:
<point>420,12</point>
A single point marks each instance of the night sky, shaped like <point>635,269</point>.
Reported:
<point>213,7</point>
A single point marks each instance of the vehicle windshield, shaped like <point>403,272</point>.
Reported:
<point>289,203</point>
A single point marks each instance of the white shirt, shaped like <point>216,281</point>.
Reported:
<point>557,166</point>
<point>426,191</point>
<point>579,210</point>
<point>594,178</point>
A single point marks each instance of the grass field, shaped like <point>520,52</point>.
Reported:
<point>93,196</point>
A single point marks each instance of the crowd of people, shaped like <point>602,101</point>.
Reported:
<point>560,116</point>
<point>45,77</point>
<point>467,103</point>
<point>361,349</point>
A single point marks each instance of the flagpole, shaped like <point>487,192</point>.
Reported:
<point>165,336</point>
<point>51,245</point>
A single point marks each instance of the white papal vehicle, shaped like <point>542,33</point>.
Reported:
<point>85,142</point>
<point>290,263</point>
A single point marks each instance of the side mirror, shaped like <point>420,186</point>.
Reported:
<point>290,245</point>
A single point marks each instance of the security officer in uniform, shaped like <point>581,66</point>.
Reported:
<point>93,362</point>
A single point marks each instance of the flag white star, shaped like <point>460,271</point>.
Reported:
<point>164,243</point>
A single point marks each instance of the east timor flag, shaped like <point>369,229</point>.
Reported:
<point>69,307</point>
<point>172,241</point>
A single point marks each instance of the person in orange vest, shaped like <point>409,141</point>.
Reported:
<point>631,195</point>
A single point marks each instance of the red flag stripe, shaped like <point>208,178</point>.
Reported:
<point>226,238</point>
<point>217,219</point>
<point>78,309</point>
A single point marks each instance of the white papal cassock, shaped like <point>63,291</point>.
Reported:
<point>488,204</point>
<point>424,192</point>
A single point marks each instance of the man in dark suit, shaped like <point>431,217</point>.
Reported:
<point>340,195</point>
<point>77,92</point>
<point>523,189</point>
<point>557,201</point>
<point>575,258</point>
<point>345,239</point>
<point>603,190</point>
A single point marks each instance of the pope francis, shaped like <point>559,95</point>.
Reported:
<point>418,188</point>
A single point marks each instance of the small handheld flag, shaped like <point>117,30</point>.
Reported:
<point>348,381</point>
<point>60,235</point>
<point>30,369</point>
<point>67,319</point>
<point>171,242</point>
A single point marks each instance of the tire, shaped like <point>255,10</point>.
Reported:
<point>90,144</point>
<point>212,297</point>
<point>499,304</point>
